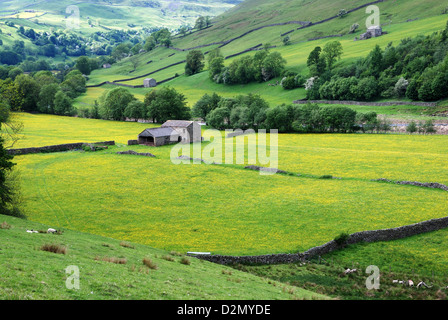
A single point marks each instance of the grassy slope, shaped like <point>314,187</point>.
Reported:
<point>195,86</point>
<point>26,272</point>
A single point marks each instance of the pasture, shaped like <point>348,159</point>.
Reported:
<point>227,209</point>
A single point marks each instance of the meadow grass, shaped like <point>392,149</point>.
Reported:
<point>225,208</point>
<point>27,273</point>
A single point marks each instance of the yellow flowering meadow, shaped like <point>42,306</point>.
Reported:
<point>227,209</point>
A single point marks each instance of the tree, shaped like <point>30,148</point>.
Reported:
<point>205,105</point>
<point>47,98</point>
<point>215,53</point>
<point>63,105</point>
<point>376,61</point>
<point>215,67</point>
<point>14,73</point>
<point>114,102</point>
<point>353,28</point>
<point>332,52</point>
<point>165,104</point>
<point>287,41</point>
<point>195,62</point>
<point>400,87</point>
<point>428,127</point>
<point>219,118</point>
<point>200,23</point>
<point>29,88</point>
<point>6,191</point>
<point>150,44</point>
<point>135,110</point>
<point>273,65</point>
<point>83,65</point>
<point>74,84</point>
<point>412,127</point>
<point>10,58</point>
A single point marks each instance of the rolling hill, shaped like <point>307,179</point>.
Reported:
<point>234,33</point>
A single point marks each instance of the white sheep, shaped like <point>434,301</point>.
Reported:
<point>32,231</point>
<point>51,230</point>
<point>422,284</point>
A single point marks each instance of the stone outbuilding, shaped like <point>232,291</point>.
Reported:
<point>171,132</point>
<point>107,66</point>
<point>149,83</point>
<point>372,32</point>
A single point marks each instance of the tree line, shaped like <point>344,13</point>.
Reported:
<point>253,112</point>
<point>417,69</point>
<point>41,91</point>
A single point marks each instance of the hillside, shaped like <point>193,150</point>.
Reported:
<point>115,13</point>
<point>28,273</point>
<point>233,33</point>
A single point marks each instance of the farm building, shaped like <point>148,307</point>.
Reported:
<point>149,83</point>
<point>107,66</point>
<point>173,131</point>
<point>372,32</point>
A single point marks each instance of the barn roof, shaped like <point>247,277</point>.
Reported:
<point>159,132</point>
<point>177,123</point>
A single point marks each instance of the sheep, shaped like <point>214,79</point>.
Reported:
<point>422,284</point>
<point>410,283</point>
<point>51,230</point>
<point>348,271</point>
<point>32,231</point>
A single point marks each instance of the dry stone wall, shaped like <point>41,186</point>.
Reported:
<point>57,148</point>
<point>364,236</point>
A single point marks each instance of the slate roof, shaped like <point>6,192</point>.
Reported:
<point>177,123</point>
<point>159,132</point>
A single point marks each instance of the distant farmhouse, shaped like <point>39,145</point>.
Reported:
<point>372,32</point>
<point>171,132</point>
<point>149,83</point>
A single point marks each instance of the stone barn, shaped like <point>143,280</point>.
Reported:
<point>190,131</point>
<point>149,83</point>
<point>372,32</point>
<point>171,132</point>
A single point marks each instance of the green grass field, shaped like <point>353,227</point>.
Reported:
<point>28,273</point>
<point>249,214</point>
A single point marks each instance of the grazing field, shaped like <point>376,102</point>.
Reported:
<point>28,273</point>
<point>225,208</point>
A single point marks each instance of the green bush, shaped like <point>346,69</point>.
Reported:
<point>342,238</point>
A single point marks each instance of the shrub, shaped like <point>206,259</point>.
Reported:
<point>168,258</point>
<point>150,264</point>
<point>185,261</point>
<point>126,245</point>
<point>342,238</point>
<point>412,128</point>
<point>5,225</point>
<point>55,248</point>
<point>326,177</point>
<point>112,260</point>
